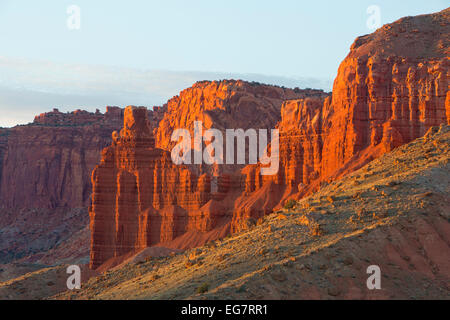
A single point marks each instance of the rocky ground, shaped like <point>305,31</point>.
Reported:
<point>393,213</point>
<point>389,90</point>
<point>45,282</point>
<point>44,236</point>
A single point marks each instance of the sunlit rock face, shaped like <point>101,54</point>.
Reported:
<point>389,90</point>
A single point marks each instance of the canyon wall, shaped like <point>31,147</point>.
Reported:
<point>48,163</point>
<point>224,105</point>
<point>45,180</point>
<point>45,170</point>
<point>389,90</point>
<point>140,198</point>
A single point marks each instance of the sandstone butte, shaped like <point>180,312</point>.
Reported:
<point>390,89</point>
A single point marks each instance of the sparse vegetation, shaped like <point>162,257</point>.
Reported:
<point>330,233</point>
<point>203,288</point>
<point>289,204</point>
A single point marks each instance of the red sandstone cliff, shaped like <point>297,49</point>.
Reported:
<point>48,164</point>
<point>45,170</point>
<point>45,185</point>
<point>389,90</point>
<point>140,198</point>
<point>132,182</point>
<point>224,105</point>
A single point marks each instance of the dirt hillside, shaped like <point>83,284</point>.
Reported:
<point>393,213</point>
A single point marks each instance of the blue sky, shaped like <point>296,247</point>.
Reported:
<point>144,52</point>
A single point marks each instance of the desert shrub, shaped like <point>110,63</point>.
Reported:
<point>316,230</point>
<point>203,288</point>
<point>290,204</point>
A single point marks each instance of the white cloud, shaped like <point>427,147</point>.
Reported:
<point>28,88</point>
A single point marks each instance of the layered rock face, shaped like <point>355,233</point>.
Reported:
<point>140,197</point>
<point>389,90</point>
<point>45,181</point>
<point>226,104</point>
<point>45,186</point>
<point>222,105</point>
<point>48,163</point>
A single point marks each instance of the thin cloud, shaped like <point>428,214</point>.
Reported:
<point>31,87</point>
